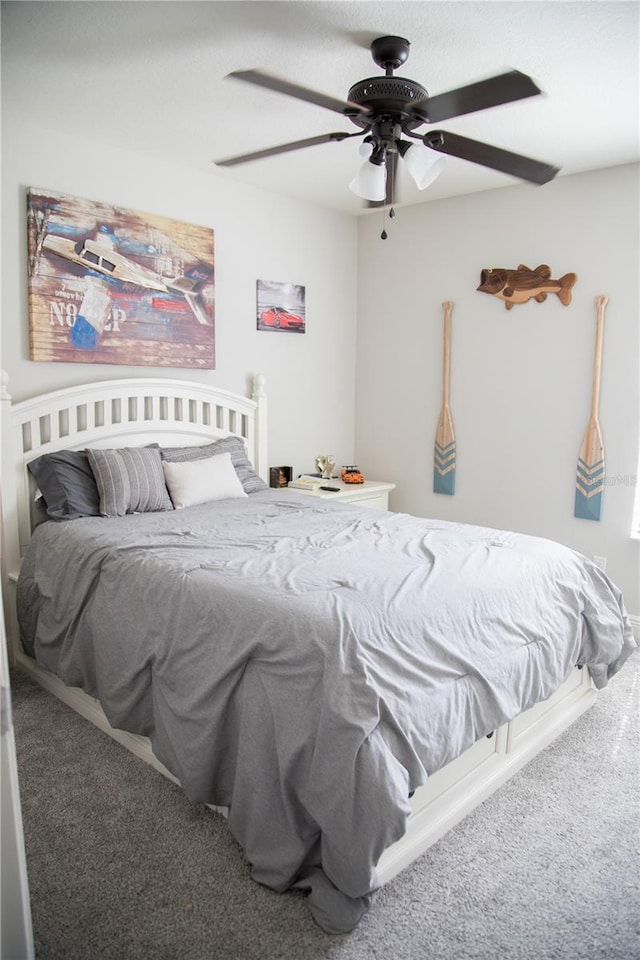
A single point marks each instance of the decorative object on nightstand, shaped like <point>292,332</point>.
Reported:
<point>326,466</point>
<point>307,482</point>
<point>280,476</point>
<point>352,475</point>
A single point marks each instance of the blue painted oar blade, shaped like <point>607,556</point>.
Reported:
<point>444,482</point>
<point>588,508</point>
<point>444,468</point>
<point>589,490</point>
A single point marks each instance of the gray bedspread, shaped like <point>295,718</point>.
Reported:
<point>309,664</point>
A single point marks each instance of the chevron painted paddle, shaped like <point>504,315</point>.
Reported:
<point>444,452</point>
<point>591,465</point>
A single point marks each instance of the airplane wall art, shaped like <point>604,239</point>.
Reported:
<point>110,285</point>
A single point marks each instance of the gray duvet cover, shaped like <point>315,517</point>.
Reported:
<point>309,664</point>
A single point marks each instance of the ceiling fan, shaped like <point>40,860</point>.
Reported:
<point>388,108</point>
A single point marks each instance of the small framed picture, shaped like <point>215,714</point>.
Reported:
<point>280,476</point>
<point>280,307</point>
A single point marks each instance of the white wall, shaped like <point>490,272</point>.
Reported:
<point>310,379</point>
<point>520,379</point>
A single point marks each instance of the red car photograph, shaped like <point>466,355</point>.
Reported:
<point>281,306</point>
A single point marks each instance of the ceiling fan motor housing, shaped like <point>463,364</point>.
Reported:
<point>390,97</point>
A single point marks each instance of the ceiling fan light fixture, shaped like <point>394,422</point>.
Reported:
<point>423,166</point>
<point>370,182</point>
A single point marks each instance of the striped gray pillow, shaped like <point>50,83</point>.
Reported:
<point>129,480</point>
<point>233,445</point>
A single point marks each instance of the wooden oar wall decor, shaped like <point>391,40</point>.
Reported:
<point>444,453</point>
<point>591,464</point>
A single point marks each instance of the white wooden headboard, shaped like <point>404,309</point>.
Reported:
<point>115,413</point>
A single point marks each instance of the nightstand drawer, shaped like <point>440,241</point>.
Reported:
<point>379,501</point>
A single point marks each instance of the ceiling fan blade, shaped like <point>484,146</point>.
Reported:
<point>286,147</point>
<point>267,80</point>
<point>488,156</point>
<point>492,92</point>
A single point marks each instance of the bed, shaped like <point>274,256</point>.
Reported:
<point>343,683</point>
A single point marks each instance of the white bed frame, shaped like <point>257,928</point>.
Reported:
<point>172,412</point>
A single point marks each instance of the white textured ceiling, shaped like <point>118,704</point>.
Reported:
<point>150,76</point>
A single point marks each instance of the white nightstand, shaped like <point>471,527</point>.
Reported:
<point>371,493</point>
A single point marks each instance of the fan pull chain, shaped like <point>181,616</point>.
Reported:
<point>392,213</point>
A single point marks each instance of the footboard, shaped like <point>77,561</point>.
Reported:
<point>453,792</point>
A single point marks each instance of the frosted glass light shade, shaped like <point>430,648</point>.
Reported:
<point>423,166</point>
<point>370,182</point>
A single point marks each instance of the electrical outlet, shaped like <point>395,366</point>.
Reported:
<point>601,562</point>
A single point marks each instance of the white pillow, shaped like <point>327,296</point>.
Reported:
<point>199,481</point>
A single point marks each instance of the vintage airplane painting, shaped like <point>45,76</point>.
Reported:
<point>109,285</point>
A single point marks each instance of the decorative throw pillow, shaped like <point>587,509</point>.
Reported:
<point>234,446</point>
<point>199,481</point>
<point>129,480</point>
<point>67,484</point>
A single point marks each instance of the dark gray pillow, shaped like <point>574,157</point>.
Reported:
<point>67,484</point>
<point>249,479</point>
<point>129,480</point>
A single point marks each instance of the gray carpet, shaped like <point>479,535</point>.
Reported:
<point>122,866</point>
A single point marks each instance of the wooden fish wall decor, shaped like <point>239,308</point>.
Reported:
<point>523,284</point>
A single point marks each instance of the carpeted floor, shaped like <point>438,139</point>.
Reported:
<point>123,867</point>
